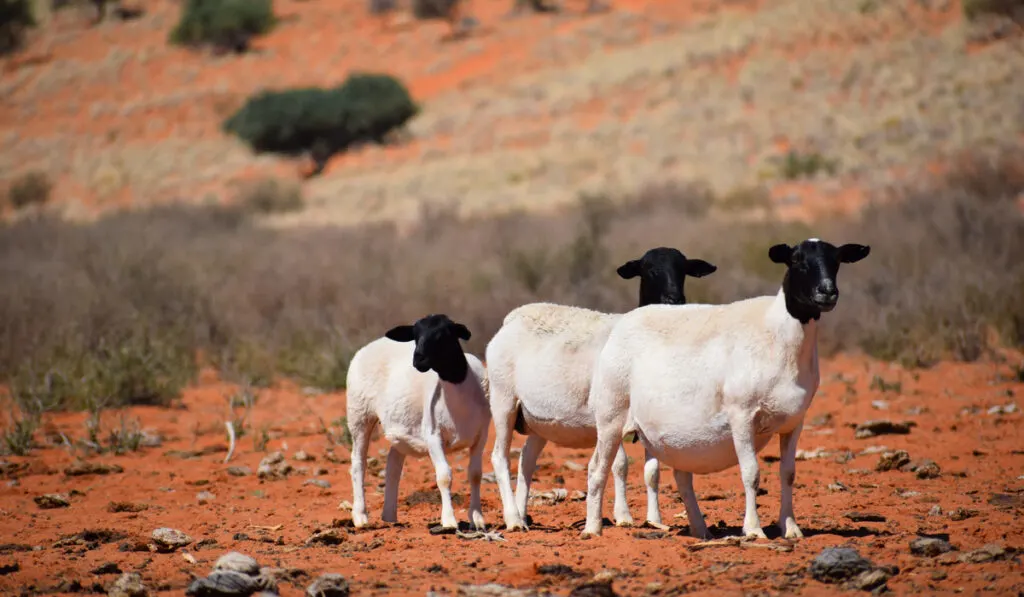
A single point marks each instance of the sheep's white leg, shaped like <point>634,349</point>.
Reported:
<point>444,480</point>
<point>743,441</point>
<point>392,477</point>
<point>361,431</point>
<point>503,411</point>
<point>652,475</point>
<point>684,483</point>
<point>609,437</point>
<point>527,466</point>
<point>620,467</point>
<point>787,473</point>
<point>476,473</point>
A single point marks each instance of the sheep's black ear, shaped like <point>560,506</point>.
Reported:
<point>781,253</point>
<point>402,333</point>
<point>698,268</point>
<point>630,269</point>
<point>461,331</point>
<point>852,252</point>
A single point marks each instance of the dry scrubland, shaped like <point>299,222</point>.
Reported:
<point>548,151</point>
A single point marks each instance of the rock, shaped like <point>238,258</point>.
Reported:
<point>321,483</point>
<point>880,404</point>
<point>273,466</point>
<point>80,468</point>
<point>838,564</point>
<point>939,575</point>
<point>577,496</point>
<point>838,486</point>
<point>237,562</point>
<point>128,585</point>
<point>302,456</point>
<point>489,478</point>
<point>494,590</point>
<point>960,514</point>
<point>892,460</point>
<point>871,579</point>
<point>115,507</point>
<point>239,471</point>
<point>881,427</point>
<point>929,547</point>
<point>108,568</point>
<point>574,466</point>
<point>49,501</point>
<point>992,552</point>
<point>167,539</point>
<point>326,537</point>
<point>1006,500</point>
<point>811,454</point>
<point>864,516</point>
<point>594,589</point>
<point>1003,409</point>
<point>328,585</point>
<point>223,583</point>
<point>205,497</point>
<point>926,469</point>
<point>935,510</point>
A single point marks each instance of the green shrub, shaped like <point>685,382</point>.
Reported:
<point>15,18</point>
<point>28,189</point>
<point>224,24</point>
<point>365,108</point>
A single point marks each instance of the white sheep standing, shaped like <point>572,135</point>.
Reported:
<point>430,398</point>
<point>707,386</point>
<point>540,364</point>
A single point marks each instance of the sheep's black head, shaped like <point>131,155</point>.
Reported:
<point>437,346</point>
<point>811,271</point>
<point>662,272</point>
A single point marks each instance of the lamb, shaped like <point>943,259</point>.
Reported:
<point>436,407</point>
<point>705,387</point>
<point>540,364</point>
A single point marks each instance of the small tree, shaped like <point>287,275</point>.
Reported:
<point>15,18</point>
<point>365,108</point>
<point>227,25</point>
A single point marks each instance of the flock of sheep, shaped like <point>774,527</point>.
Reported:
<point>702,387</point>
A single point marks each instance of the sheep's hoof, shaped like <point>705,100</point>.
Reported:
<point>590,533</point>
<point>360,520</point>
<point>625,522</point>
<point>754,533</point>
<point>790,530</point>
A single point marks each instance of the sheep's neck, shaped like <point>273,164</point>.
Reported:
<point>801,312</point>
<point>798,332</point>
<point>454,371</point>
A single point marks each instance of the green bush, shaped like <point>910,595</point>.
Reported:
<point>365,108</point>
<point>15,17</point>
<point>225,24</point>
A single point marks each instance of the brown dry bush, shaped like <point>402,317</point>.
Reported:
<point>142,293</point>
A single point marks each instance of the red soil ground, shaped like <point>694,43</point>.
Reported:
<point>976,501</point>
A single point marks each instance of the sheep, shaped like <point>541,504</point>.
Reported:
<point>705,387</point>
<point>540,363</point>
<point>436,407</point>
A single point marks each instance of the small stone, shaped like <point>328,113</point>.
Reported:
<point>167,539</point>
<point>302,456</point>
<point>935,510</point>
<point>838,486</point>
<point>1005,409</point>
<point>871,579</point>
<point>321,483</point>
<point>108,568</point>
<point>489,478</point>
<point>49,501</point>
<point>239,471</point>
<point>328,585</point>
<point>205,497</point>
<point>838,564</point>
<point>939,575</point>
<point>892,460</point>
<point>237,562</point>
<point>929,547</point>
<point>881,427</point>
<point>811,454</point>
<point>574,466</point>
<point>880,404</point>
<point>577,496</point>
<point>927,469</point>
<point>223,583</point>
<point>128,585</point>
<point>989,553</point>
<point>273,466</point>
<point>81,468</point>
<point>864,517</point>
<point>961,514</point>
<point>873,450</point>
<point>594,589</point>
<point>320,471</point>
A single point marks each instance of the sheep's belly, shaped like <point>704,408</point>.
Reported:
<point>707,450</point>
<point>575,435</point>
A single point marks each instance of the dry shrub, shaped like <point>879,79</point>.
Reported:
<point>31,188</point>
<point>271,195</point>
<point>142,293</point>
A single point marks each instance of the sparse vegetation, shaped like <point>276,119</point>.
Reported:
<point>118,310</point>
<point>227,25</point>
<point>16,18</point>
<point>365,108</point>
<point>1013,9</point>
<point>31,188</point>
<point>795,165</point>
<point>271,195</point>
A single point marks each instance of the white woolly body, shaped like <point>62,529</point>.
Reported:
<point>382,382</point>
<point>545,353</point>
<point>686,371</point>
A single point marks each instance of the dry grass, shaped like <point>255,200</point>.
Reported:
<point>114,312</point>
